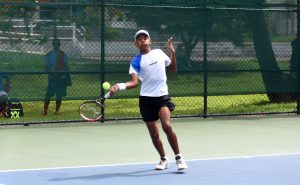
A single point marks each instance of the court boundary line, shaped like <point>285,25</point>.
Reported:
<point>128,164</point>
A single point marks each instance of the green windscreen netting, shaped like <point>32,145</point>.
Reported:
<point>222,47</point>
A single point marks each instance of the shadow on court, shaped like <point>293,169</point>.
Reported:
<point>136,174</point>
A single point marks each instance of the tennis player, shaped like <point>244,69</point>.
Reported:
<point>149,66</point>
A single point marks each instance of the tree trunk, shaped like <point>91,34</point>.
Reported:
<point>276,82</point>
<point>184,51</point>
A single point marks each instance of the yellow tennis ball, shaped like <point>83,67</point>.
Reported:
<point>106,85</point>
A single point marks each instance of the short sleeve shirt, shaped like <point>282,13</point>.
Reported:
<point>151,69</point>
<point>51,60</point>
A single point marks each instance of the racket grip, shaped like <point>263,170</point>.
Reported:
<point>107,95</point>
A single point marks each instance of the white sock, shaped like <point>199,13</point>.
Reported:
<point>163,158</point>
<point>178,156</point>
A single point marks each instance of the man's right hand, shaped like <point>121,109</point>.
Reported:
<point>114,89</point>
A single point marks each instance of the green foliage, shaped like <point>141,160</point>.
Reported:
<point>189,26</point>
<point>10,12</point>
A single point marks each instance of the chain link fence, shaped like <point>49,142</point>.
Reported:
<point>233,58</point>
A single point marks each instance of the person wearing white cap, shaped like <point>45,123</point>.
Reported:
<point>150,66</point>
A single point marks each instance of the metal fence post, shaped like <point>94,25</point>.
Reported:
<point>298,57</point>
<point>102,30</point>
<point>205,93</point>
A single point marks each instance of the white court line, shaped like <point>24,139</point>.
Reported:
<point>127,164</point>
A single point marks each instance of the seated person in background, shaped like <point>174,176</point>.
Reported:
<point>4,89</point>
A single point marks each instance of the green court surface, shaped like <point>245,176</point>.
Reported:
<point>66,145</point>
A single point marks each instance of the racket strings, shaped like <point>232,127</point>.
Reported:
<point>90,111</point>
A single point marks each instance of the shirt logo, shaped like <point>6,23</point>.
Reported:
<point>153,63</point>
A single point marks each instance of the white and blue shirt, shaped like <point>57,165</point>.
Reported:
<point>151,69</point>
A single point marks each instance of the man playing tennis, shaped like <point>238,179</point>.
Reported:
<point>150,67</point>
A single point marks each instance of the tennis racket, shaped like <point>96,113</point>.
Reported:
<point>91,110</point>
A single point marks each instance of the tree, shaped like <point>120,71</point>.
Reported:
<point>223,25</point>
<point>279,86</point>
<point>51,17</point>
<point>8,13</point>
<point>188,25</point>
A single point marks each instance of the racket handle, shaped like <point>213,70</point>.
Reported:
<point>107,95</point>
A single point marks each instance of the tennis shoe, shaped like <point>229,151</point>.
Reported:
<point>181,165</point>
<point>163,164</point>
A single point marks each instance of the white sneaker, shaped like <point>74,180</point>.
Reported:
<point>181,165</point>
<point>163,164</point>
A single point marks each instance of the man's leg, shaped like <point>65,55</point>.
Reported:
<point>154,134</point>
<point>164,115</point>
<point>57,105</point>
<point>61,91</point>
<point>48,95</point>
<point>46,105</point>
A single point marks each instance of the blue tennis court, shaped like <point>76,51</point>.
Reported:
<point>253,151</point>
<point>264,170</point>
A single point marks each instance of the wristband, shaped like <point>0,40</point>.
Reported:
<point>122,86</point>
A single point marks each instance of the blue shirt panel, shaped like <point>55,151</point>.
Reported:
<point>136,63</point>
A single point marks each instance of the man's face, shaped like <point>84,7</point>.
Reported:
<point>143,42</point>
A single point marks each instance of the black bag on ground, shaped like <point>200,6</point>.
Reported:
<point>14,108</point>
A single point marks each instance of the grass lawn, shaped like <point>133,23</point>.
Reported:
<point>128,108</point>
<point>225,88</point>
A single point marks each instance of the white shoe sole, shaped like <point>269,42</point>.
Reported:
<point>166,167</point>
